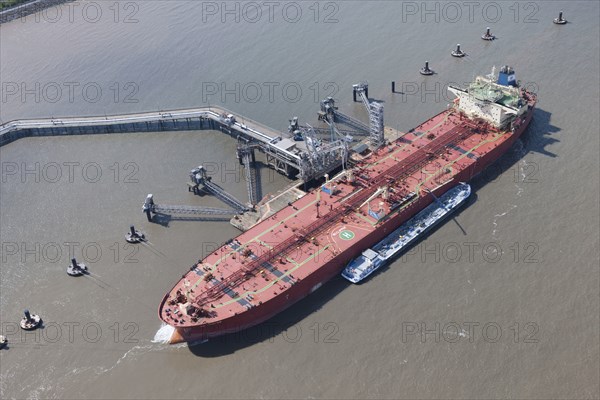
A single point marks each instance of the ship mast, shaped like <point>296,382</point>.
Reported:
<point>492,75</point>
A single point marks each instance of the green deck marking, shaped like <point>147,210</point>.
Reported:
<point>348,237</point>
<point>271,283</point>
<point>347,234</point>
<point>364,218</point>
<point>400,149</point>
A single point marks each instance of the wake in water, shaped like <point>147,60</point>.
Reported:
<point>154,250</point>
<point>96,279</point>
<point>163,334</point>
<point>114,291</point>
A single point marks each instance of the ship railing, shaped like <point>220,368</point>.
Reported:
<point>403,169</point>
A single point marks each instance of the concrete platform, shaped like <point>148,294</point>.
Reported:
<point>391,134</point>
<point>271,204</point>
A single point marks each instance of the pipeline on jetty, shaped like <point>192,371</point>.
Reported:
<point>23,8</point>
<point>285,155</point>
<point>298,153</point>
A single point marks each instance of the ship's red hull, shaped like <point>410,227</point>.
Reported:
<point>329,269</point>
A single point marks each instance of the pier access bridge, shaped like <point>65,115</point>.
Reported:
<point>291,157</point>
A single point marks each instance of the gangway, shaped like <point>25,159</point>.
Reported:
<point>285,160</point>
<point>322,156</point>
<point>281,151</point>
<point>295,129</point>
<point>344,133</point>
<point>397,172</point>
<point>362,90</point>
<point>200,177</point>
<point>245,153</point>
<point>329,112</point>
<point>375,110</point>
<point>150,207</point>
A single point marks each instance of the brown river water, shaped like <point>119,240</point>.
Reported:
<point>501,302</point>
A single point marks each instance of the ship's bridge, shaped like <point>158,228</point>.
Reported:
<point>485,90</point>
<point>494,103</point>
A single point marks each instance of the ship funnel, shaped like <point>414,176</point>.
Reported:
<point>506,77</point>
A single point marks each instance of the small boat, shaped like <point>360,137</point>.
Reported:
<point>373,259</point>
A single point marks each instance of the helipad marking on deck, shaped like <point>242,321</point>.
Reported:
<point>347,234</point>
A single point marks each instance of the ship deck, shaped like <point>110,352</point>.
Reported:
<point>285,248</point>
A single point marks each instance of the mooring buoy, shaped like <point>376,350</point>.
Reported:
<point>458,52</point>
<point>134,236</point>
<point>560,20</point>
<point>425,70</point>
<point>488,35</point>
<point>30,321</point>
<point>76,269</point>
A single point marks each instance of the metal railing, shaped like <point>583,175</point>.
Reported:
<point>399,171</point>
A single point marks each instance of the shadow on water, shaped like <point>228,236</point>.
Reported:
<point>258,167</point>
<point>165,219</point>
<point>464,232</point>
<point>534,139</point>
<point>455,216</point>
<point>268,330</point>
<point>538,134</point>
<point>280,323</point>
<point>201,192</point>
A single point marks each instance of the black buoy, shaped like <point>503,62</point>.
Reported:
<point>30,321</point>
<point>560,20</point>
<point>3,341</point>
<point>134,236</point>
<point>488,35</point>
<point>76,269</point>
<point>425,70</point>
<point>458,52</point>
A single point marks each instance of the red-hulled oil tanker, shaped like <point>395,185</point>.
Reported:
<point>292,253</point>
